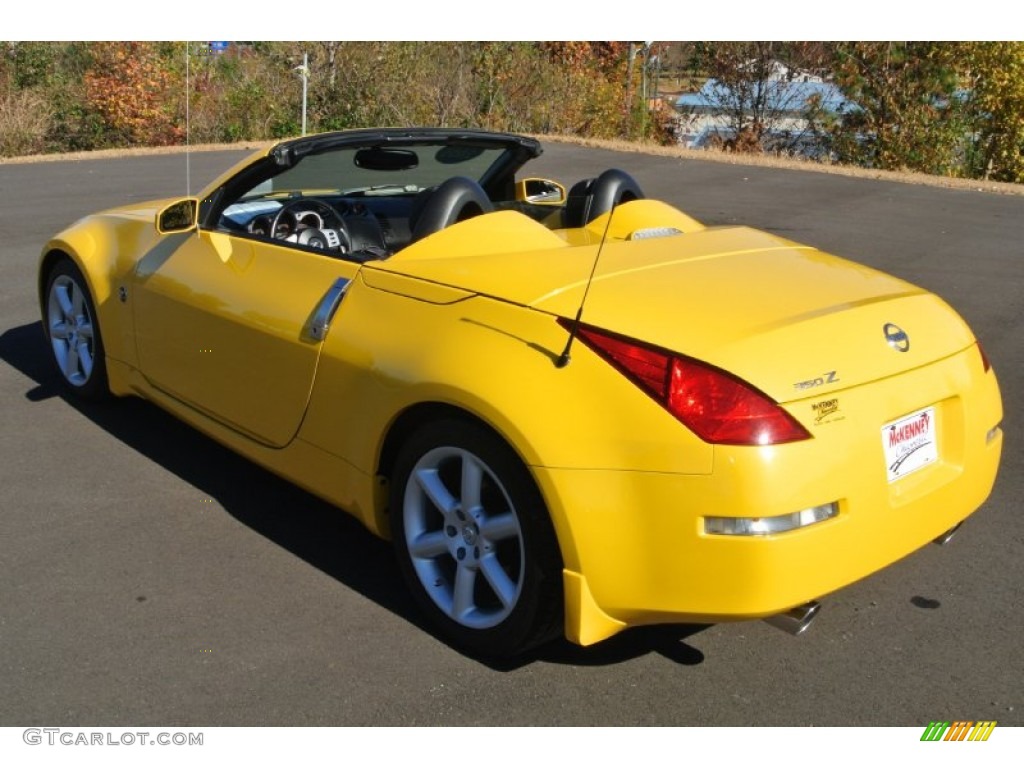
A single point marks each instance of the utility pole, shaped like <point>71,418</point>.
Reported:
<point>303,71</point>
<point>644,80</point>
<point>629,76</point>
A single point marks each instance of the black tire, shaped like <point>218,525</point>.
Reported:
<point>72,332</point>
<point>488,577</point>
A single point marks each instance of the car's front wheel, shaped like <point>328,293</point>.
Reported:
<point>474,540</point>
<point>69,322</point>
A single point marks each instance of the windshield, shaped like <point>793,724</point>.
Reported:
<point>362,171</point>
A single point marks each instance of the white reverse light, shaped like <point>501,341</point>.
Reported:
<point>763,526</point>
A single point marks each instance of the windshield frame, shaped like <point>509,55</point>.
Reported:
<point>506,154</point>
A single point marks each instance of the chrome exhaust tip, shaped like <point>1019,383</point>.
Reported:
<point>948,535</point>
<point>795,621</point>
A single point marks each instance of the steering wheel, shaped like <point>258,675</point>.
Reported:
<point>333,236</point>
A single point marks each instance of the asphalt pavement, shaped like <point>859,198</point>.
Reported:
<point>150,577</point>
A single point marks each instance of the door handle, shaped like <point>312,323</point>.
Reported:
<point>325,310</point>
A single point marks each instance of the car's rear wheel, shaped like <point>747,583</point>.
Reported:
<point>474,540</point>
<point>69,322</point>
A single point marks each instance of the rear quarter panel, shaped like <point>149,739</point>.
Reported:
<point>496,361</point>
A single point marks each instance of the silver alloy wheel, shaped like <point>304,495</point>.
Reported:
<point>70,326</point>
<point>463,537</point>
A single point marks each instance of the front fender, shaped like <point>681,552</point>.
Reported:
<point>106,248</point>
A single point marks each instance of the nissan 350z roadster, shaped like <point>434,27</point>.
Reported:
<point>573,409</point>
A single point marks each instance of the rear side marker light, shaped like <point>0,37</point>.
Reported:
<point>764,526</point>
<point>984,358</point>
<point>713,404</point>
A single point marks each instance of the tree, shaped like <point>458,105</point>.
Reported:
<point>136,91</point>
<point>50,76</point>
<point>591,88</point>
<point>994,91</point>
<point>511,82</point>
<point>754,87</point>
<point>908,114</point>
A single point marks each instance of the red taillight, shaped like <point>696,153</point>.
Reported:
<point>716,406</point>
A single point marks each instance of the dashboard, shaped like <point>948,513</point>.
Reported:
<point>341,227</point>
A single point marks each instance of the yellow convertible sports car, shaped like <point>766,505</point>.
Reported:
<point>572,409</point>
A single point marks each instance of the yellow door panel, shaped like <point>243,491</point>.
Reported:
<point>226,324</point>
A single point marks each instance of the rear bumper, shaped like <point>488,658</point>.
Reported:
<point>634,543</point>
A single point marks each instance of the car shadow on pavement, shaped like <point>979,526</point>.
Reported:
<point>313,530</point>
<point>667,640</point>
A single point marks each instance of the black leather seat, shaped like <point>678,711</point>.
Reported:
<point>591,198</point>
<point>454,200</point>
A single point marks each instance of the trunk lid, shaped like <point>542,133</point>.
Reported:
<point>791,320</point>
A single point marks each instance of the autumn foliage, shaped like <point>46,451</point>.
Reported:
<point>939,107</point>
<point>133,90</point>
<point>995,84</point>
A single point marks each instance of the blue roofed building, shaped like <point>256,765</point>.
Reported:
<point>781,109</point>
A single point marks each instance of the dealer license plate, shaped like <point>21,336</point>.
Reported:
<point>910,443</point>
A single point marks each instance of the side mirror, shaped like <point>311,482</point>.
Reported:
<point>540,192</point>
<point>177,217</point>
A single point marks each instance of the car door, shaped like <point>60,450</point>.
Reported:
<point>233,326</point>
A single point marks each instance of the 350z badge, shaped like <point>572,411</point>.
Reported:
<point>826,378</point>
